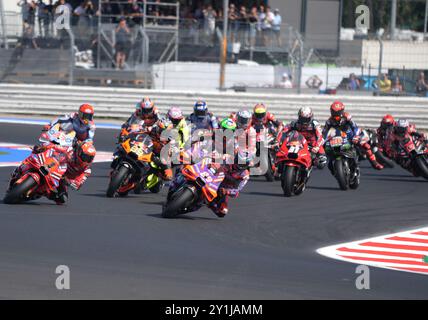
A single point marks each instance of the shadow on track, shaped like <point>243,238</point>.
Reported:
<point>182,217</point>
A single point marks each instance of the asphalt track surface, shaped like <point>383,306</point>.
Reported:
<point>264,249</point>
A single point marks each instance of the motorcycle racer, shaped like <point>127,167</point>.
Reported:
<point>201,118</point>
<point>402,135</point>
<point>78,171</point>
<point>82,122</point>
<point>343,120</point>
<point>261,117</point>
<point>236,177</point>
<point>311,130</point>
<point>383,131</point>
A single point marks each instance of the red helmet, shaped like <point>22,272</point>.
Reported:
<point>387,121</point>
<point>86,153</point>
<point>337,109</point>
<point>145,107</point>
<point>86,113</point>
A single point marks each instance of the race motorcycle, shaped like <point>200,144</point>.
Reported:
<point>266,138</point>
<point>370,136</point>
<point>294,161</point>
<point>413,156</point>
<point>133,166</point>
<point>342,159</point>
<point>40,173</point>
<point>197,185</point>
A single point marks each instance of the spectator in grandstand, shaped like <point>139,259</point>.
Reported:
<point>421,85</point>
<point>397,87</point>
<point>384,83</point>
<point>253,20</point>
<point>242,25</point>
<point>353,82</point>
<point>314,82</point>
<point>25,6</point>
<point>135,12</point>
<point>50,11</point>
<point>31,19</point>
<point>285,82</point>
<point>42,18</point>
<point>233,22</point>
<point>122,43</point>
<point>210,16</point>
<point>276,27</point>
<point>267,27</point>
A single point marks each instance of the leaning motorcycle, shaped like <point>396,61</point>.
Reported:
<point>294,161</point>
<point>133,166</point>
<point>40,174</point>
<point>413,156</point>
<point>342,159</point>
<point>197,185</point>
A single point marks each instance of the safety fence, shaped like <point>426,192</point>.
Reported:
<point>118,103</point>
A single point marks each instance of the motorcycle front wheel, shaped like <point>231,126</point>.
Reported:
<point>341,176</point>
<point>18,192</point>
<point>177,203</point>
<point>422,166</point>
<point>288,180</point>
<point>116,180</point>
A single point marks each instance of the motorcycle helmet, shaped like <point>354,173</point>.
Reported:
<point>387,121</point>
<point>175,115</point>
<point>200,108</point>
<point>243,119</point>
<point>85,153</point>
<point>86,113</point>
<point>337,110</point>
<point>401,127</point>
<point>145,107</point>
<point>228,124</point>
<point>260,111</point>
<point>305,116</point>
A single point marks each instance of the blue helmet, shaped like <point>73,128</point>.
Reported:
<point>200,108</point>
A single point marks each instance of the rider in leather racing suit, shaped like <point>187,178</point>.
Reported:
<point>78,171</point>
<point>236,177</point>
<point>81,122</point>
<point>147,117</point>
<point>311,130</point>
<point>343,120</point>
<point>201,118</point>
<point>402,135</point>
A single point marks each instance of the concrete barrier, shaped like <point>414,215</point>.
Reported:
<point>118,103</point>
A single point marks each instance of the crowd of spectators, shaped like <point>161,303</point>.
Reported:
<point>256,25</point>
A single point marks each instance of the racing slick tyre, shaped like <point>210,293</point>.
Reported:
<point>355,183</point>
<point>340,174</point>
<point>177,203</point>
<point>18,192</point>
<point>288,180</point>
<point>422,166</point>
<point>117,179</point>
<point>384,160</point>
<point>270,177</point>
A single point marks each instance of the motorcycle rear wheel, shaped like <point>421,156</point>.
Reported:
<point>17,192</point>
